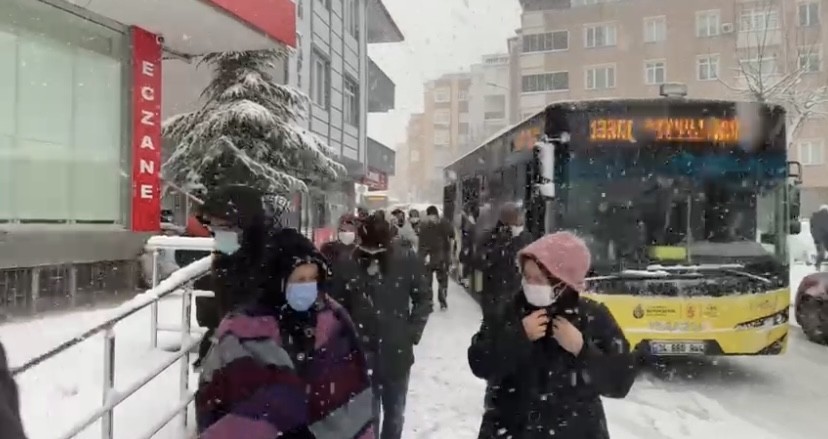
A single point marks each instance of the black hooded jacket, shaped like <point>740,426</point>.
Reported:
<point>538,387</point>
<point>238,277</point>
<point>10,425</point>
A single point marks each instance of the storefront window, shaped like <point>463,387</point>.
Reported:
<point>61,117</point>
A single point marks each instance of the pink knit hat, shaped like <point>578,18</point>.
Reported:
<point>564,255</point>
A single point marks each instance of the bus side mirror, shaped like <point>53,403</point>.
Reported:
<point>546,163</point>
<point>796,228</point>
<point>794,209</point>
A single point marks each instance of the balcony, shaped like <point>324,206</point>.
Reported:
<point>381,27</point>
<point>380,90</point>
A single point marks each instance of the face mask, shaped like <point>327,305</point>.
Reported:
<point>432,217</point>
<point>347,238</point>
<point>540,295</point>
<point>301,296</point>
<point>226,242</point>
<point>516,230</point>
<point>414,220</point>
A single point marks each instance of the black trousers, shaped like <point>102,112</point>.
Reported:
<point>441,270</point>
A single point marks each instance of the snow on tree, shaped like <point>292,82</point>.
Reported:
<point>246,132</point>
<point>776,62</point>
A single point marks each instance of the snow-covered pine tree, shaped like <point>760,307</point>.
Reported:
<point>246,131</point>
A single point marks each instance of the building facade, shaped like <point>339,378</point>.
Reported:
<point>593,49</point>
<point>489,99</point>
<point>438,135</point>
<point>81,95</point>
<point>331,65</point>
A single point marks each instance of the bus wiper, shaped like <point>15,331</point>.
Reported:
<point>737,269</point>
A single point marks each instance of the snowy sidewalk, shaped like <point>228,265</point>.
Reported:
<point>445,400</point>
<point>56,394</point>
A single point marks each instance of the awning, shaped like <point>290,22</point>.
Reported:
<point>381,89</point>
<point>193,27</point>
<point>380,157</point>
<point>381,27</point>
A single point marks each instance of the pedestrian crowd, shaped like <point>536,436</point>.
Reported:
<point>318,343</point>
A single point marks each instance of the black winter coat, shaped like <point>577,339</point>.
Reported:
<point>390,309</point>
<point>10,425</point>
<point>537,388</point>
<point>501,276</point>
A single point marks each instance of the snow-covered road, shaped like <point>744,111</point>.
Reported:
<point>753,398</point>
<point>750,397</point>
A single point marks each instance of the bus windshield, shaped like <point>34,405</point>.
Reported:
<point>642,206</point>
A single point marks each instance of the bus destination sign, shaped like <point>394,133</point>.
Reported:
<point>690,130</point>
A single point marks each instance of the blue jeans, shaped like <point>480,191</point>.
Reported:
<point>389,400</point>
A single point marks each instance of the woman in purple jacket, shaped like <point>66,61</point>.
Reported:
<point>288,364</point>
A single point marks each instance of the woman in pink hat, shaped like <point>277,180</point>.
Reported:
<point>551,354</point>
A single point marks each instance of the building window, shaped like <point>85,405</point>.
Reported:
<point>601,35</point>
<point>759,67</point>
<point>655,29</point>
<point>352,17</point>
<point>811,152</point>
<point>462,95</point>
<point>655,72</point>
<point>350,106</point>
<point>810,59</point>
<point>442,117</point>
<point>546,42</point>
<point>442,95</point>
<point>708,23</point>
<point>808,13</point>
<point>759,19</point>
<point>463,139</point>
<point>321,80</point>
<point>442,137</point>
<point>494,107</point>
<point>557,81</point>
<point>600,77</point>
<point>463,128</point>
<point>707,67</point>
<point>61,118</point>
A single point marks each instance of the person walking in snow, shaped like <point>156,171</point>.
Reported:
<point>414,220</point>
<point>551,353</point>
<point>234,215</point>
<point>345,241</point>
<point>436,238</point>
<point>383,287</point>
<point>288,364</point>
<point>819,233</point>
<point>11,426</point>
<point>501,275</point>
<point>405,234</point>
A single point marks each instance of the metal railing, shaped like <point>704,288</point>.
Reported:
<point>179,281</point>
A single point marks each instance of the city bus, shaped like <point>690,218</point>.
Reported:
<point>686,206</point>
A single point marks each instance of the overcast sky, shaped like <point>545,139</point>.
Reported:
<point>441,36</point>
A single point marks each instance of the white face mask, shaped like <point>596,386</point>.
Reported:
<point>226,241</point>
<point>414,220</point>
<point>347,238</point>
<point>540,295</point>
<point>516,230</point>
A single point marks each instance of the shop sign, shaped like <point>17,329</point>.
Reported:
<point>375,180</point>
<point>146,131</point>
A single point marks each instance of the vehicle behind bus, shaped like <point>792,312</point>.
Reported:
<point>686,207</point>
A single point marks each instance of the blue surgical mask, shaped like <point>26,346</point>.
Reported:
<point>226,241</point>
<point>301,296</point>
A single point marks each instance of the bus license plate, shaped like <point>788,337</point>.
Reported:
<point>677,347</point>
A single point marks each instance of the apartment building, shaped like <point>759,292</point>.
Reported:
<point>331,65</point>
<point>489,99</point>
<point>439,134</point>
<point>604,49</point>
